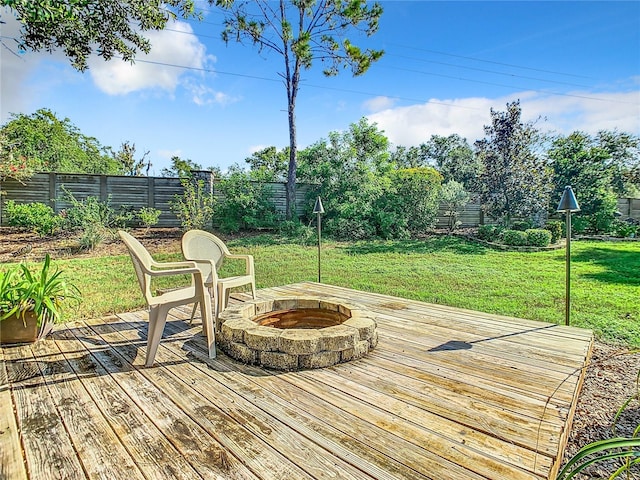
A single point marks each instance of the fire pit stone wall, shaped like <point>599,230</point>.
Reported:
<point>296,348</point>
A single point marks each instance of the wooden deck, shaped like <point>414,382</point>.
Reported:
<point>447,394</point>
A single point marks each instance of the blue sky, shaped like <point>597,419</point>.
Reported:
<point>574,65</point>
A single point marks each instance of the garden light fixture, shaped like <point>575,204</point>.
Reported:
<point>318,209</point>
<point>568,204</point>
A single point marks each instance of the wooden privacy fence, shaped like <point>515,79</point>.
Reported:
<point>158,192</point>
<point>121,191</point>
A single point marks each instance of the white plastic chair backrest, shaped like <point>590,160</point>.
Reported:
<point>140,257</point>
<point>201,245</point>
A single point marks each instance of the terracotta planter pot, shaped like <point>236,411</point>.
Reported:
<point>18,329</point>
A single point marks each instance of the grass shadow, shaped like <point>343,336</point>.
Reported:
<point>620,267</point>
<point>432,244</point>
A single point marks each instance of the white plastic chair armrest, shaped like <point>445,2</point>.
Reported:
<point>248,260</point>
<point>181,264</point>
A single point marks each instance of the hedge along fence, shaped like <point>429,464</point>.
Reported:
<point>157,192</point>
<point>121,191</point>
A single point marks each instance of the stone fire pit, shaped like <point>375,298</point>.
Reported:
<point>297,333</point>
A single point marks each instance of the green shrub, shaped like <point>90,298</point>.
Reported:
<point>623,229</point>
<point>488,233</point>
<point>514,238</point>
<point>245,203</point>
<point>148,216</point>
<point>297,231</point>
<point>92,236</point>
<point>36,217</point>
<point>391,225</point>
<point>579,224</point>
<point>92,211</point>
<point>538,237</point>
<point>195,207</point>
<point>349,228</point>
<point>412,199</point>
<point>521,225</point>
<point>555,227</point>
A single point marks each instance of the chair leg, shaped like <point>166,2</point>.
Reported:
<point>207,324</point>
<point>193,312</point>
<point>227,292</point>
<point>157,320</point>
<point>253,289</point>
<point>219,306</point>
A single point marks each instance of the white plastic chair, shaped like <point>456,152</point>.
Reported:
<point>159,305</point>
<point>206,250</point>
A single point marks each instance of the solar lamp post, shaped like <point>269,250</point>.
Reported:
<point>318,209</point>
<point>568,204</point>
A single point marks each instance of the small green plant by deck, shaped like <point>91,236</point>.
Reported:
<point>44,292</point>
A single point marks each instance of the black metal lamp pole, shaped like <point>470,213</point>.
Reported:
<point>568,204</point>
<point>318,209</point>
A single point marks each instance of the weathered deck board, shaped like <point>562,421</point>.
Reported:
<point>11,464</point>
<point>447,394</point>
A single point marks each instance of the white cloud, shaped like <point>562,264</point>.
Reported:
<point>169,154</point>
<point>168,47</point>
<point>585,111</point>
<point>379,103</point>
<point>204,95</point>
<point>256,148</point>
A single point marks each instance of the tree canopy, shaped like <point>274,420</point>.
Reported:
<point>579,161</point>
<point>49,144</point>
<point>108,28</point>
<point>514,181</point>
<point>301,32</point>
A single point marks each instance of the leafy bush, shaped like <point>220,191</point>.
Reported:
<point>514,238</point>
<point>245,204</point>
<point>579,224</point>
<point>391,224</point>
<point>93,235</point>
<point>555,227</point>
<point>538,237</point>
<point>350,228</point>
<point>521,225</point>
<point>195,207</point>
<point>415,194</point>
<point>36,217</point>
<point>297,231</point>
<point>623,229</point>
<point>92,211</point>
<point>488,233</point>
<point>148,216</point>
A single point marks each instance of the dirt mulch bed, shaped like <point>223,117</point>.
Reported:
<point>609,381</point>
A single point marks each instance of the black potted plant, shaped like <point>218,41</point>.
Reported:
<point>30,304</point>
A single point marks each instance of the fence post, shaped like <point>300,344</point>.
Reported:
<point>52,190</point>
<point>103,188</point>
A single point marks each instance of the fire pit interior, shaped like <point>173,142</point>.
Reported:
<point>301,318</point>
<point>297,333</point>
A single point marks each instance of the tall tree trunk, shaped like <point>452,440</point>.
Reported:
<point>292,80</point>
<point>293,152</point>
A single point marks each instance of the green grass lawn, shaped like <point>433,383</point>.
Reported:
<point>447,270</point>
